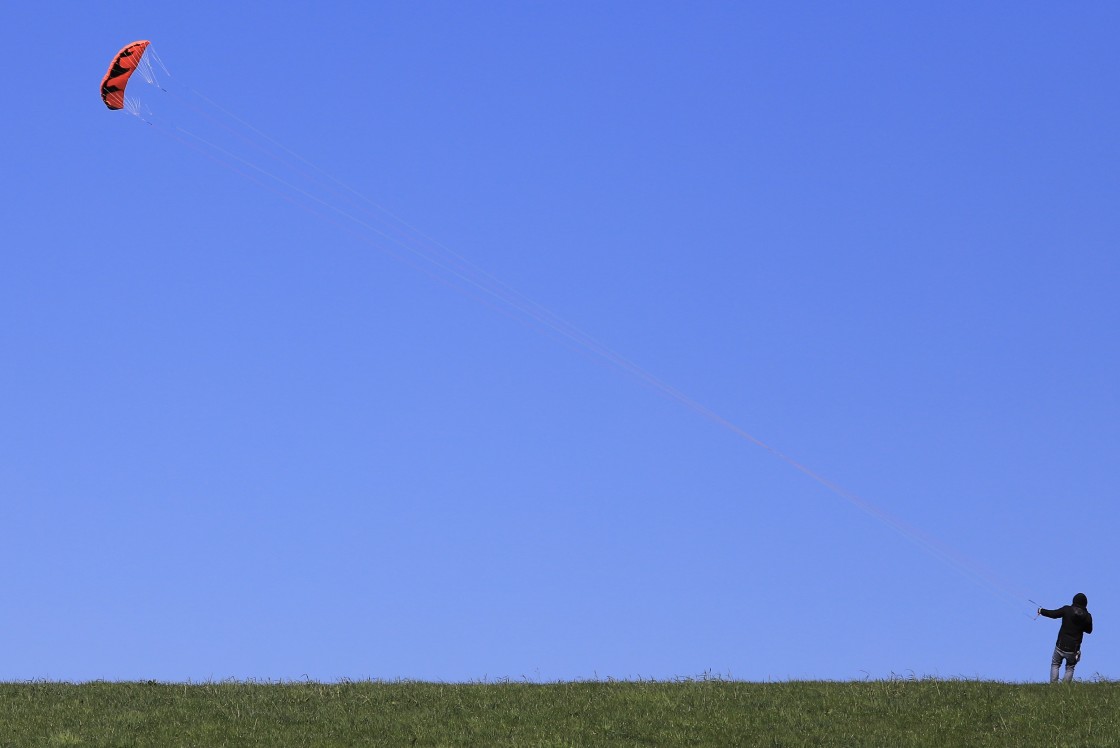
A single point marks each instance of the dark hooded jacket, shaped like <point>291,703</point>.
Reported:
<point>1076,622</point>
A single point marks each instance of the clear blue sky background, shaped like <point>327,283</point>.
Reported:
<point>239,441</point>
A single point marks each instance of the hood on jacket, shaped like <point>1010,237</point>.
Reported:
<point>1080,600</point>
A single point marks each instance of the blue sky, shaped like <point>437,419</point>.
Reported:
<point>240,439</point>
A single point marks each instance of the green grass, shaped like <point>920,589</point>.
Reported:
<point>613,713</point>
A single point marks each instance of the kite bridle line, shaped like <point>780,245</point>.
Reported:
<point>436,260</point>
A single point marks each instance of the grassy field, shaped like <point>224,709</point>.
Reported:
<point>613,713</point>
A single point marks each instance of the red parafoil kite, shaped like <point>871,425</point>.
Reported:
<point>120,70</point>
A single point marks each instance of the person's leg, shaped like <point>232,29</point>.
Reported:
<point>1055,665</point>
<point>1071,663</point>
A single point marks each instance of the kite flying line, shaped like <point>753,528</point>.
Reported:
<point>280,170</point>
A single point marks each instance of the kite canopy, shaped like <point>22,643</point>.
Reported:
<point>120,70</point>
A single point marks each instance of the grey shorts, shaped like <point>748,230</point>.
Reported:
<point>1071,658</point>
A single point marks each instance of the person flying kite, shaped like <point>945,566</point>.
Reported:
<point>1076,622</point>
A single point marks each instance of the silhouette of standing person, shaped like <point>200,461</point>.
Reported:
<point>1076,622</point>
